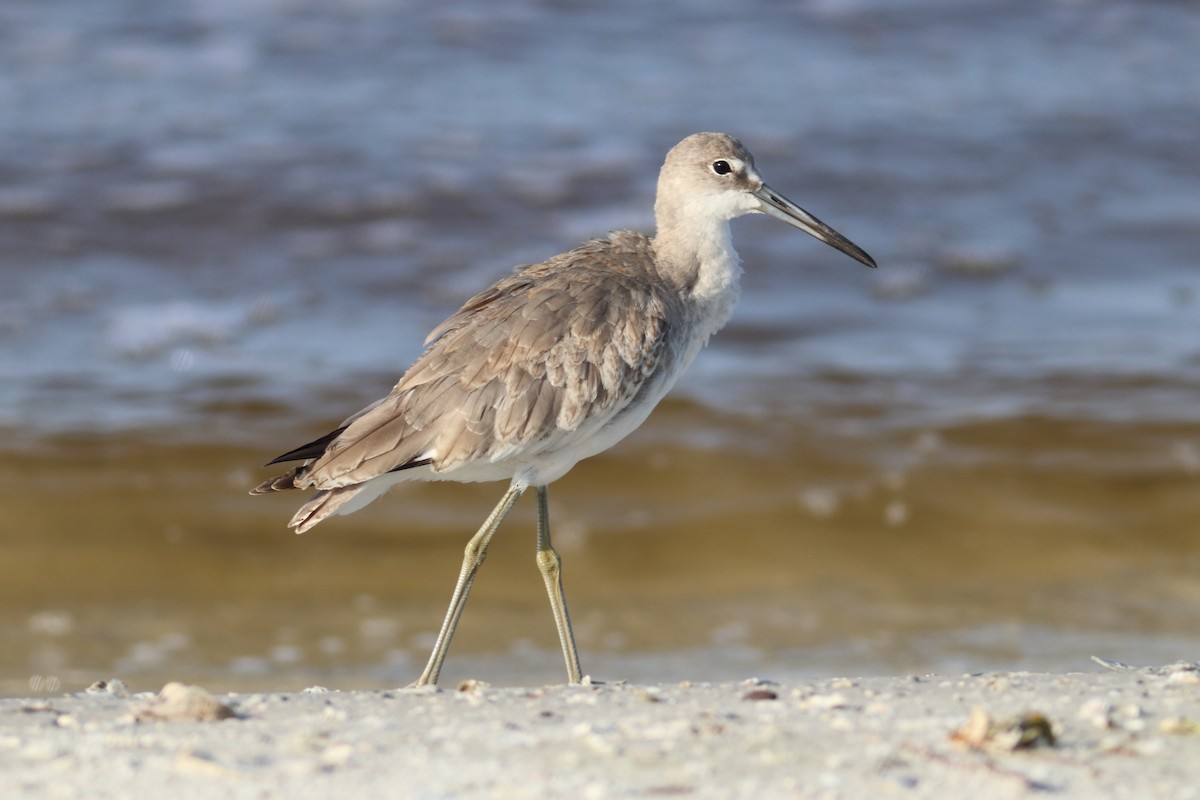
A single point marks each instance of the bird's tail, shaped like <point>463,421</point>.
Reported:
<point>325,504</point>
<point>280,483</point>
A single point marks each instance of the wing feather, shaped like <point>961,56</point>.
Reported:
<point>543,355</point>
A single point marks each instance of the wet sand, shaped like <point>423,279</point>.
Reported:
<point>802,558</point>
<point>1122,733</point>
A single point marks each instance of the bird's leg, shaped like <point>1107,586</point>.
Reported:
<point>550,565</point>
<point>474,556</point>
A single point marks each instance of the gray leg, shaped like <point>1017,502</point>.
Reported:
<point>474,556</point>
<point>550,565</point>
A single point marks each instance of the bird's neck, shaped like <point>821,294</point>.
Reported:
<point>699,258</point>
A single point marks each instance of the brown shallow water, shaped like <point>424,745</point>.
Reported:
<point>1020,543</point>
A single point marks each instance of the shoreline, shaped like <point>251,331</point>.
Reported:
<point>1122,732</point>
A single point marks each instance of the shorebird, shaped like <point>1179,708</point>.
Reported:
<point>552,364</point>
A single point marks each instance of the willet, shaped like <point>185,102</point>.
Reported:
<point>554,363</point>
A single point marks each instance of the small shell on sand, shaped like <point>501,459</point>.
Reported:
<point>1025,731</point>
<point>180,702</point>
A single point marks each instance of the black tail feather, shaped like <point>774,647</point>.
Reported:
<point>420,462</point>
<point>313,449</point>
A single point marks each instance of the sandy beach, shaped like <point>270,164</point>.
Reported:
<point>1120,732</point>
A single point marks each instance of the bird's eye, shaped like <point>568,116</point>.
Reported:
<point>721,167</point>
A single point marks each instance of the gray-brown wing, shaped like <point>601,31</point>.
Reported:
<point>524,366</point>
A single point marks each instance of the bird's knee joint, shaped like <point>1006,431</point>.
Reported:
<point>549,561</point>
<point>475,554</point>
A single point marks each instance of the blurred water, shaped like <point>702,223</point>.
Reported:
<point>229,224</point>
<point>225,192</point>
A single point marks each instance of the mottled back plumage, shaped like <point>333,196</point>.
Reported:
<point>541,354</point>
<point>531,365</point>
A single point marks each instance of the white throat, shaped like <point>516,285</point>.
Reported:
<point>716,288</point>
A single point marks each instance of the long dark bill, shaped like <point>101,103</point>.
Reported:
<point>776,205</point>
